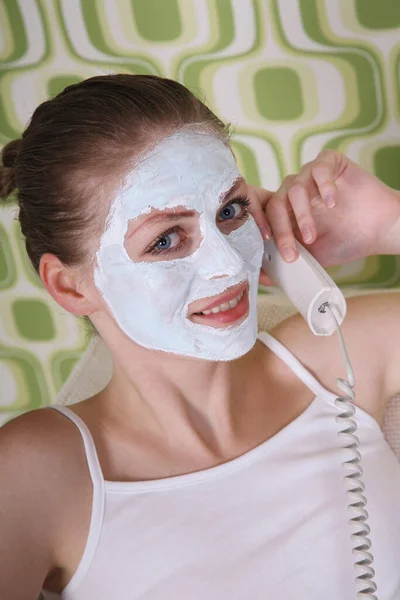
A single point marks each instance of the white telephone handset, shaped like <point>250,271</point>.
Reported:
<point>323,306</point>
<point>308,286</point>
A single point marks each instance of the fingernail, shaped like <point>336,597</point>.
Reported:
<point>288,253</point>
<point>266,233</point>
<point>330,201</point>
<point>307,233</point>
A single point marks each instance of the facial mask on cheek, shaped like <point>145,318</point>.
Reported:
<point>149,300</point>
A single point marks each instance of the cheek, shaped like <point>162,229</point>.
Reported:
<point>90,291</point>
<point>163,285</point>
<point>248,242</point>
<point>162,279</point>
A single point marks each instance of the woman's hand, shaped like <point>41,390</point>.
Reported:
<point>337,209</point>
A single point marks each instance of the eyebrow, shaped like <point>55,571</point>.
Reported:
<point>164,216</point>
<point>182,214</point>
<point>239,181</point>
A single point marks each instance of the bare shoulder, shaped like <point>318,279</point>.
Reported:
<point>42,462</point>
<point>371,331</point>
<point>44,438</point>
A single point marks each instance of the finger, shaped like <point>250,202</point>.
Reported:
<point>256,210</point>
<point>300,203</point>
<point>278,216</point>
<point>264,196</point>
<point>324,172</point>
<point>265,280</point>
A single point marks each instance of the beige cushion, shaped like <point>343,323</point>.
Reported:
<point>93,371</point>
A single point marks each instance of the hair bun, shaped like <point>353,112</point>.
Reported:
<point>10,153</point>
<point>9,157</point>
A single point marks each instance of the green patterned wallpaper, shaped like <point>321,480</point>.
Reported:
<point>292,76</point>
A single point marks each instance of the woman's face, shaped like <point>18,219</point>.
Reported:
<point>179,260</point>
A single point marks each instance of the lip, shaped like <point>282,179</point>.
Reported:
<point>229,317</point>
<point>229,294</point>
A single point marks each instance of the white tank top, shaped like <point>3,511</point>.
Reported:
<point>270,524</point>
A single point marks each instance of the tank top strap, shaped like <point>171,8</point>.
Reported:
<point>95,471</point>
<point>98,498</point>
<point>295,365</point>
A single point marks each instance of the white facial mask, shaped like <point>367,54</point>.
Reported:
<point>149,300</point>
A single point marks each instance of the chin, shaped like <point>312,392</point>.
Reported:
<point>222,345</point>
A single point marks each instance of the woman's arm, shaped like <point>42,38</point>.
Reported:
<point>25,547</point>
<point>371,330</point>
<point>42,465</point>
<point>364,220</point>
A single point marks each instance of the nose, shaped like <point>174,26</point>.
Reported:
<point>220,259</point>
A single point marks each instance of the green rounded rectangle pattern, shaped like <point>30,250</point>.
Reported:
<point>378,14</point>
<point>387,165</point>
<point>157,20</point>
<point>278,93</point>
<point>292,76</point>
<point>8,270</point>
<point>33,319</point>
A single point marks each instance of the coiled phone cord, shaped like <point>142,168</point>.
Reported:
<point>363,559</point>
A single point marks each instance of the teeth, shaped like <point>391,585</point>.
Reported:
<point>225,306</point>
<point>233,303</point>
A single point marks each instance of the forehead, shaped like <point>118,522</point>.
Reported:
<point>189,169</point>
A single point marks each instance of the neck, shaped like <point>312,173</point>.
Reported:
<point>172,396</point>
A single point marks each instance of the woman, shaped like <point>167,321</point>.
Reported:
<point>210,466</point>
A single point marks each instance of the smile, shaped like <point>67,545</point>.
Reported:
<point>230,308</point>
<point>225,306</point>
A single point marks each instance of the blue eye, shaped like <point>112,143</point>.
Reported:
<point>231,211</point>
<point>236,209</point>
<point>167,241</point>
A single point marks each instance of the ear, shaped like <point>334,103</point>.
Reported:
<point>64,285</point>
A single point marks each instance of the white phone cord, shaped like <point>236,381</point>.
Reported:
<point>366,587</point>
